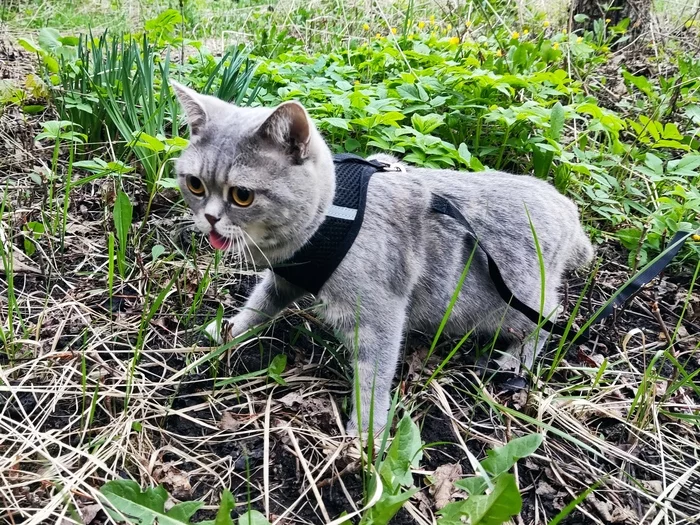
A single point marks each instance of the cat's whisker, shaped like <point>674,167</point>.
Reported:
<point>250,252</point>
<point>259,249</point>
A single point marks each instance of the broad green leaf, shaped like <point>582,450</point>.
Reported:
<point>452,513</point>
<point>144,508</point>
<point>33,109</point>
<point>185,510</point>
<point>157,251</point>
<point>501,459</point>
<point>147,141</point>
<point>337,122</point>
<point>223,516</point>
<point>556,121</point>
<point>29,45</point>
<point>387,507</point>
<point>498,507</point>
<point>405,452</point>
<point>671,132</point>
<point>123,211</point>
<point>49,38</point>
<point>252,517</point>
<point>69,40</point>
<point>37,227</point>
<point>473,486</point>
<point>276,368</point>
<point>427,123</point>
<point>629,237</point>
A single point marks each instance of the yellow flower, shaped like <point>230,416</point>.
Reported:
<point>454,41</point>
<point>563,31</point>
<point>545,23</point>
<point>378,35</point>
<point>515,35</point>
<point>449,27</point>
<point>468,23</point>
<point>393,30</point>
<point>421,25</point>
<point>499,53</point>
<point>365,27</point>
<point>555,45</point>
<point>607,20</point>
<point>432,19</point>
<point>525,31</point>
<point>410,37</point>
<point>357,82</point>
<point>696,237</point>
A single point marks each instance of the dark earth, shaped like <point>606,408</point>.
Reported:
<point>290,337</point>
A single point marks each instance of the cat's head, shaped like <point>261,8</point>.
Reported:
<point>259,176</point>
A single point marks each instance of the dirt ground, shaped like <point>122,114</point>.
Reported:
<point>76,408</point>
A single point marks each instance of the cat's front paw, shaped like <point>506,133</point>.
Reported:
<point>219,332</point>
<point>352,431</point>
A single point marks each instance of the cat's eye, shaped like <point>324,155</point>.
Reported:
<point>195,185</point>
<point>241,196</point>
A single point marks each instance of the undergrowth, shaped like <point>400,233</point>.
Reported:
<point>103,305</point>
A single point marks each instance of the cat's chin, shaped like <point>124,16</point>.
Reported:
<point>218,241</point>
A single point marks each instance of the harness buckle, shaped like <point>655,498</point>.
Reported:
<point>395,167</point>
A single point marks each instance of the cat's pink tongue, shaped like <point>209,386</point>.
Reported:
<point>218,241</point>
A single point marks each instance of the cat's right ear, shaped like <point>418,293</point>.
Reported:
<point>192,104</point>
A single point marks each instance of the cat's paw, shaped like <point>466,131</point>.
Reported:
<point>352,431</point>
<point>219,333</point>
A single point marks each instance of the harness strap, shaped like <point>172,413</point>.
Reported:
<point>443,205</point>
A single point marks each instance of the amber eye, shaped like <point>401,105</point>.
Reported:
<point>241,196</point>
<point>195,185</point>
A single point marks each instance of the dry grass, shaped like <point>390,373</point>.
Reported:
<point>64,428</point>
<point>77,408</point>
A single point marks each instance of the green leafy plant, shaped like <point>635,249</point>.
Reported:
<point>394,473</point>
<point>127,502</point>
<point>503,499</point>
<point>123,212</point>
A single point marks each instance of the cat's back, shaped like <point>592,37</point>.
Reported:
<point>502,201</point>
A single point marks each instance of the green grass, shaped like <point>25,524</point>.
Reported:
<point>102,372</point>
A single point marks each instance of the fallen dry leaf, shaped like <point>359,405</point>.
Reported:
<point>175,480</point>
<point>293,398</point>
<point>612,512</point>
<point>443,487</point>
<point>229,422</point>
<point>89,512</point>
<point>20,263</point>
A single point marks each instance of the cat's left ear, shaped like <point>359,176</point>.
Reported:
<point>290,128</point>
<point>194,109</point>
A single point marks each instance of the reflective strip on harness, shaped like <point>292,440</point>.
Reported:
<point>341,212</point>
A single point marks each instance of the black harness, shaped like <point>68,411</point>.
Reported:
<point>315,262</point>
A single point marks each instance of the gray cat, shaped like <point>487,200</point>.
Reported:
<point>261,180</point>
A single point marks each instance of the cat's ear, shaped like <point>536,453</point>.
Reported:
<point>193,106</point>
<point>290,128</point>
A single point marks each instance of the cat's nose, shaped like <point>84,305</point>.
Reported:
<point>212,220</point>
